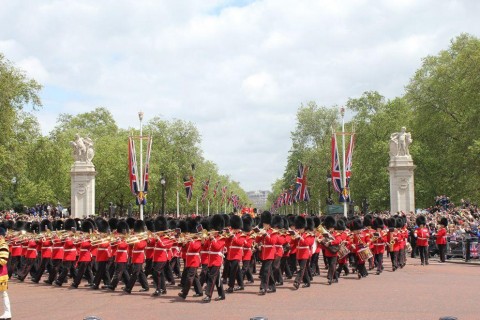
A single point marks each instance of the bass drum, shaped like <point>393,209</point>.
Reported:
<point>365,254</point>
<point>343,251</point>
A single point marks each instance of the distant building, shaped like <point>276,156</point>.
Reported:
<point>258,198</point>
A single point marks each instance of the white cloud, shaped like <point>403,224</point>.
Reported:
<point>237,69</point>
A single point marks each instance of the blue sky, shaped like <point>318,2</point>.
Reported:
<point>239,70</point>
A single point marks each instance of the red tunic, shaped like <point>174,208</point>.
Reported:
<point>247,249</point>
<point>379,243</point>
<point>162,246</point>
<point>235,250</point>
<point>335,242</point>
<point>281,239</point>
<point>57,251</point>
<point>267,243</point>
<point>69,250</point>
<point>31,249</point>
<point>46,248</point>
<point>192,253</point>
<point>121,255</point>
<point>84,251</point>
<point>441,236</point>
<point>344,235</point>
<point>422,235</point>
<point>16,248</point>
<point>303,246</point>
<point>215,251</point>
<point>204,252</point>
<point>104,251</point>
<point>149,249</point>
<point>138,252</point>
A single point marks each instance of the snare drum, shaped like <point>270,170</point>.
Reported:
<point>365,254</point>
<point>343,251</point>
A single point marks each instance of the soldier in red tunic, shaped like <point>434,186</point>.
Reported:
<point>303,245</point>
<point>422,234</point>
<point>104,252</point>
<point>441,238</point>
<point>57,253</point>
<point>236,242</point>
<point>333,239</point>
<point>69,252</point>
<point>163,244</point>
<point>192,247</point>
<point>138,258</point>
<point>247,249</point>
<point>266,240</point>
<point>379,240</point>
<point>46,246</point>
<point>121,256</point>
<point>85,257</point>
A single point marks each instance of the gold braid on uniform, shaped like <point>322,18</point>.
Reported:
<point>3,264</point>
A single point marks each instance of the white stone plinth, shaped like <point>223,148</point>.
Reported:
<point>82,198</point>
<point>402,187</point>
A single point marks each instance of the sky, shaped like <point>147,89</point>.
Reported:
<point>239,70</point>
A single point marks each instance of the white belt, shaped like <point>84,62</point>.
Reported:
<point>102,248</point>
<point>122,251</point>
<point>234,247</point>
<point>13,247</point>
<point>160,249</point>
<point>193,254</point>
<point>423,238</point>
<point>267,246</point>
<point>84,250</point>
<point>379,244</point>
<point>303,247</point>
<point>69,249</point>
<point>247,248</point>
<point>216,252</point>
<point>47,248</point>
<point>32,249</point>
<point>278,246</point>
<point>137,251</point>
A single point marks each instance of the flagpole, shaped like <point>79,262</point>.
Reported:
<point>178,204</point>
<point>140,176</point>
<point>344,178</point>
<point>196,208</point>
<point>208,208</point>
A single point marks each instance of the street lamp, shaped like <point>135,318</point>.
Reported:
<point>162,182</point>
<point>329,182</point>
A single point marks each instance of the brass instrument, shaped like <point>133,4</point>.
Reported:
<point>132,239</point>
<point>391,243</point>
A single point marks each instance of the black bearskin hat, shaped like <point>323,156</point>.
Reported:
<point>69,224</point>
<point>217,222</point>
<point>291,219</point>
<point>356,225</point>
<point>131,222</point>
<point>19,225</point>
<point>399,222</point>
<point>391,222</point>
<point>172,224</point>
<point>139,226</point>
<point>316,221</point>
<point>247,223</point>
<point>28,226</point>
<point>340,225</point>
<point>329,222</point>
<point>205,223</point>
<point>112,222</point>
<point>236,222</point>
<point>286,223</point>
<point>93,222</point>
<point>45,224</point>
<point>182,224</point>
<point>300,222</point>
<point>35,227</point>
<point>226,219</point>
<point>310,223</point>
<point>277,222</point>
<point>8,224</point>
<point>58,225</point>
<point>421,220</point>
<point>87,226</point>
<point>161,223</point>
<point>444,221</point>
<point>378,223</point>
<point>102,225</point>
<point>266,217</point>
<point>368,220</point>
<point>122,227</point>
<point>150,225</point>
<point>191,225</point>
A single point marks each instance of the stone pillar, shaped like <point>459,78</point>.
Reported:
<point>82,198</point>
<point>401,167</point>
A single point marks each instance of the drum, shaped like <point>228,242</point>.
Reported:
<point>343,251</point>
<point>365,254</point>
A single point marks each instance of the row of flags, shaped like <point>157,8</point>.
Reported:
<point>232,198</point>
<point>295,193</point>
<point>139,191</point>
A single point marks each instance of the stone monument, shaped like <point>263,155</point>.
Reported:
<point>82,199</point>
<point>402,189</point>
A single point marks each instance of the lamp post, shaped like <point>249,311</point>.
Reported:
<point>329,182</point>
<point>162,182</point>
<point>140,182</point>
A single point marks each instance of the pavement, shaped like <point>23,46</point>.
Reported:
<point>414,292</point>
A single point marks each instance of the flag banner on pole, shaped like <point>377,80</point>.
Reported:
<point>291,196</point>
<point>336,175</point>
<point>301,182</point>
<point>224,193</point>
<point>344,195</point>
<point>147,167</point>
<point>348,164</point>
<point>188,184</point>
<point>205,189</point>
<point>132,166</point>
<point>215,190</point>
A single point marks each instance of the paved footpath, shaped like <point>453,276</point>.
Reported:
<point>414,292</point>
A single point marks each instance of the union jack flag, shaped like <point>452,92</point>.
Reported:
<point>336,175</point>
<point>132,166</point>
<point>215,189</point>
<point>205,189</point>
<point>224,193</point>
<point>301,181</point>
<point>188,184</point>
<point>348,164</point>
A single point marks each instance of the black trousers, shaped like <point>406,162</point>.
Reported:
<point>46,263</point>
<point>235,273</point>
<point>213,279</point>
<point>314,266</point>
<point>394,258</point>
<point>342,267</point>
<point>56,265</point>
<point>14,265</point>
<point>169,273</point>
<point>175,265</point>
<point>379,261</point>
<point>292,263</point>
<point>66,265</point>
<point>423,250</point>
<point>247,270</point>
<point>203,274</point>
<point>276,276</point>
<point>265,272</point>
<point>442,248</point>
<point>302,274</point>
<point>26,269</point>
<point>101,274</point>
<point>148,267</point>
<point>402,258</point>
<point>137,273</point>
<point>332,266</point>
<point>120,272</point>
<point>158,269</point>
<point>82,267</point>
<point>191,278</point>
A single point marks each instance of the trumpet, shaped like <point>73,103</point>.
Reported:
<point>136,238</point>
